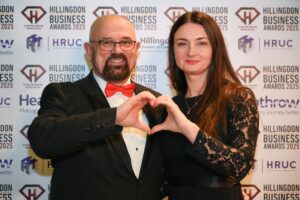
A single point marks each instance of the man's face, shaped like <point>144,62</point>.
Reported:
<point>113,65</point>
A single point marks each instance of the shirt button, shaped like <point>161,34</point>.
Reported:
<point>139,182</point>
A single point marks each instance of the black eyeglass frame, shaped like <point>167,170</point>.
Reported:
<point>100,43</point>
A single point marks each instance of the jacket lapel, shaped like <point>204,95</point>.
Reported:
<point>98,101</point>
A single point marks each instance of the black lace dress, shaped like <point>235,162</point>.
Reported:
<point>209,169</point>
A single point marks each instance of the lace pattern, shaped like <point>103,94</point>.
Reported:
<point>235,159</point>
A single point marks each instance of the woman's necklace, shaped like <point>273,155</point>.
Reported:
<point>196,101</point>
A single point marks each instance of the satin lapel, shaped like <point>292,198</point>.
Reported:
<point>98,100</point>
<point>93,91</point>
<point>148,148</point>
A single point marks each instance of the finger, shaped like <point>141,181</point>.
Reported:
<point>153,103</point>
<point>142,126</point>
<point>157,128</point>
<point>143,98</point>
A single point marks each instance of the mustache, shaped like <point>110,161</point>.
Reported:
<point>118,56</point>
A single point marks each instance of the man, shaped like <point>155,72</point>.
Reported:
<point>98,144</point>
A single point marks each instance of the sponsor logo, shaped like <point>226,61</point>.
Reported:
<point>279,165</point>
<point>5,163</point>
<point>28,165</point>
<point>6,46</point>
<point>245,44</point>
<point>65,43</point>
<point>101,11</point>
<point>33,13</point>
<point>173,13</point>
<point>33,72</point>
<point>28,104</point>
<point>247,73</point>
<point>34,42</point>
<point>267,102</point>
<point>247,14</point>
<point>153,44</point>
<point>250,191</point>
<point>32,191</point>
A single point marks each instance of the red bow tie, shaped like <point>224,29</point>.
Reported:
<point>127,90</point>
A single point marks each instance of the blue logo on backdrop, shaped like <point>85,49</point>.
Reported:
<point>245,43</point>
<point>28,165</point>
<point>5,163</point>
<point>28,101</point>
<point>34,42</point>
<point>6,44</point>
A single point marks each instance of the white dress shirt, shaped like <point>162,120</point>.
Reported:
<point>135,139</point>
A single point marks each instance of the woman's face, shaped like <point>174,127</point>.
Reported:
<point>192,49</point>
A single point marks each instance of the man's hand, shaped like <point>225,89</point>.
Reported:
<point>128,112</point>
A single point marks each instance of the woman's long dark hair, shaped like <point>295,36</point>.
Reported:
<point>220,74</point>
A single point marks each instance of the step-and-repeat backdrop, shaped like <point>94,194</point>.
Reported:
<point>42,42</point>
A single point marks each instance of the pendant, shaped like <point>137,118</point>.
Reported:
<point>188,113</point>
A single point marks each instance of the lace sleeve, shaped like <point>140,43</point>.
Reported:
<point>234,160</point>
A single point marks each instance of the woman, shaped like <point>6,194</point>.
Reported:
<point>213,123</point>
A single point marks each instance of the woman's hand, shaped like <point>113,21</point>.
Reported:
<point>176,121</point>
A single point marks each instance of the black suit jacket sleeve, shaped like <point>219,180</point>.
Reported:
<point>59,129</point>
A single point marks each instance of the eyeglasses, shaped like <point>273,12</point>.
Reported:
<point>108,45</point>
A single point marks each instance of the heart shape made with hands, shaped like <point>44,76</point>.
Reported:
<point>128,112</point>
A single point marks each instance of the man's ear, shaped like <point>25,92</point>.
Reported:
<point>88,51</point>
<point>137,45</point>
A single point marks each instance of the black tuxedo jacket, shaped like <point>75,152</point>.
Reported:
<point>75,128</point>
